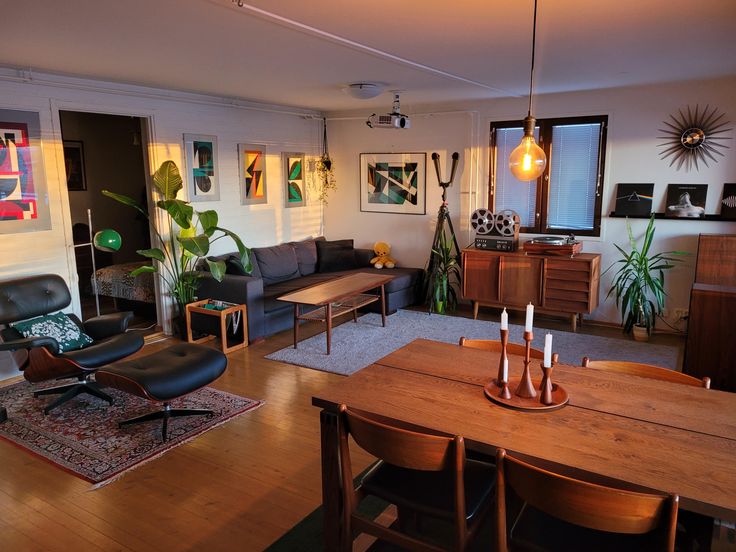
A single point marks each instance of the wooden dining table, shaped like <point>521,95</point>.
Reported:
<point>620,429</point>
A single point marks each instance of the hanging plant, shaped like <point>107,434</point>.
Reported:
<point>325,169</point>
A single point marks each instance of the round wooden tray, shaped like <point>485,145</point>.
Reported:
<point>559,396</point>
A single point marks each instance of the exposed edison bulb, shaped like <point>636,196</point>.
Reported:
<point>528,160</point>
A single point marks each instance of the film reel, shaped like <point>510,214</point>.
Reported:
<point>482,221</point>
<point>506,222</point>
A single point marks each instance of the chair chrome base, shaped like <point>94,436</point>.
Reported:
<point>164,415</point>
<point>69,391</point>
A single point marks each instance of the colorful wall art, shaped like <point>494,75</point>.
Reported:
<point>393,183</point>
<point>201,153</point>
<point>23,197</point>
<point>252,171</point>
<point>295,189</point>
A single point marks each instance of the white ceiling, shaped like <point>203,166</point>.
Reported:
<point>302,53</point>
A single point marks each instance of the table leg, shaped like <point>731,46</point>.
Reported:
<point>328,321</point>
<point>296,323</point>
<point>331,496</point>
<point>355,315</point>
<point>383,306</point>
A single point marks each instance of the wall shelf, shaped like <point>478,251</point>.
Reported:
<point>663,216</point>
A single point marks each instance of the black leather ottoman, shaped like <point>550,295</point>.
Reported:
<point>165,376</point>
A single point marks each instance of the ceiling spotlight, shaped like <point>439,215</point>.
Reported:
<point>364,90</point>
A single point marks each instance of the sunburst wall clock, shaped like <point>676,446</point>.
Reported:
<point>693,137</point>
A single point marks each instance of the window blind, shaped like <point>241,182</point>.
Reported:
<point>573,176</point>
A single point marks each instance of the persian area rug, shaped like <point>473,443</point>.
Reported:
<point>356,345</point>
<point>82,435</point>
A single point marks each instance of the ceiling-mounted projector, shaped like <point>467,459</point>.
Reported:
<point>395,119</point>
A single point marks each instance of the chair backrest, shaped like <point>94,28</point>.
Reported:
<point>511,348</point>
<point>645,371</point>
<point>406,449</point>
<point>24,298</point>
<point>582,503</point>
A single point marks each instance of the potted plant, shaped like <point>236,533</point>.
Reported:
<point>442,277</point>
<point>178,256</point>
<point>638,283</point>
<point>325,169</point>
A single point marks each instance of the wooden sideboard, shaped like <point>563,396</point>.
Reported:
<point>565,286</point>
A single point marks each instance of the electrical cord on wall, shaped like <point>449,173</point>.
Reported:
<point>671,326</point>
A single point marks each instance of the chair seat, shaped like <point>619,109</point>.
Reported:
<point>431,492</point>
<point>106,351</point>
<point>537,531</point>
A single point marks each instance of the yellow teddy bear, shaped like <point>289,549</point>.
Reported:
<point>382,258</point>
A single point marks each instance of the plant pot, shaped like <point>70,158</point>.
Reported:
<point>640,333</point>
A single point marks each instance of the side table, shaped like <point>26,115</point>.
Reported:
<point>200,307</point>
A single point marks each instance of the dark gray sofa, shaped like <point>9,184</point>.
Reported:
<point>287,267</point>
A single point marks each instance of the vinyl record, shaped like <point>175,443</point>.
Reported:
<point>482,221</point>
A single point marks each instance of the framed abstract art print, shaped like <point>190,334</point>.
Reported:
<point>393,183</point>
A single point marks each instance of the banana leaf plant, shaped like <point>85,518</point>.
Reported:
<point>443,276</point>
<point>190,235</point>
<point>638,283</point>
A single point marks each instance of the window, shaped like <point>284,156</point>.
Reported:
<point>567,197</point>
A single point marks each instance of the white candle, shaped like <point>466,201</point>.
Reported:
<point>548,350</point>
<point>504,320</point>
<point>529,317</point>
<point>505,369</point>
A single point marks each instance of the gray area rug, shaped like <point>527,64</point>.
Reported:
<point>356,345</point>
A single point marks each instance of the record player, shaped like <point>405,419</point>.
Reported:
<point>554,245</point>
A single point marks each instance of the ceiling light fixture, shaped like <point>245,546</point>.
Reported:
<point>528,161</point>
<point>364,90</point>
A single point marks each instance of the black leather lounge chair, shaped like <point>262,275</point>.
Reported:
<point>40,359</point>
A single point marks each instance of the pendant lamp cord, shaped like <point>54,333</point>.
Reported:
<point>324,136</point>
<point>534,43</point>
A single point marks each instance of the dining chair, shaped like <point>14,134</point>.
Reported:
<point>563,513</point>
<point>422,474</point>
<point>511,348</point>
<point>646,371</point>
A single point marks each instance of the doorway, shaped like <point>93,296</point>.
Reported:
<point>106,152</point>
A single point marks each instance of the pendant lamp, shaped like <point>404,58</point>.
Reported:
<point>528,161</point>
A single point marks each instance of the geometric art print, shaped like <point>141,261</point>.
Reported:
<point>252,166</point>
<point>201,154</point>
<point>393,183</point>
<point>23,198</point>
<point>294,186</point>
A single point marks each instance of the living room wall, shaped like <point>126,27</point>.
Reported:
<point>170,115</point>
<point>635,115</point>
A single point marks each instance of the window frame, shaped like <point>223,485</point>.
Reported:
<point>542,199</point>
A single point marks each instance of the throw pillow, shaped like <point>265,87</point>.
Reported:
<point>306,255</point>
<point>333,256</point>
<point>59,326</point>
<point>277,263</point>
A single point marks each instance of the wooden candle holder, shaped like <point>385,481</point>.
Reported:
<point>546,385</point>
<point>525,389</point>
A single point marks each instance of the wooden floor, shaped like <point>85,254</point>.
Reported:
<point>237,487</point>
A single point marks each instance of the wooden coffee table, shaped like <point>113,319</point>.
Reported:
<point>336,297</point>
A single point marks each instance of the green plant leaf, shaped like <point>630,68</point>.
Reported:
<point>178,210</point>
<point>125,200</point>
<point>242,250</point>
<point>167,180</point>
<point>154,253</point>
<point>208,220</point>
<point>143,270</point>
<point>198,245</point>
<point>217,268</point>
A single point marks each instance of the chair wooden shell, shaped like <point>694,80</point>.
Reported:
<point>511,348</point>
<point>584,504</point>
<point>645,371</point>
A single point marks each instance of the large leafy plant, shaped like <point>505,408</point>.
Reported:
<point>638,283</point>
<point>185,246</point>
<point>443,275</point>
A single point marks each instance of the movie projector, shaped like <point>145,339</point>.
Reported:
<point>496,231</point>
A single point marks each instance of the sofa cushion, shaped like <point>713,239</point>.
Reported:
<point>306,255</point>
<point>277,263</point>
<point>335,255</point>
<point>232,264</point>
